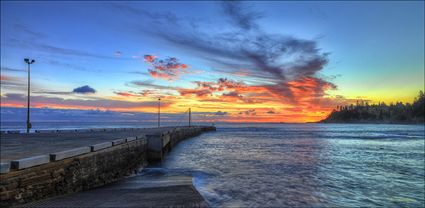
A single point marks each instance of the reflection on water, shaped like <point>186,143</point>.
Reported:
<point>305,165</point>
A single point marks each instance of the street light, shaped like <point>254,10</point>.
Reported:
<point>190,116</point>
<point>159,111</point>
<point>29,62</point>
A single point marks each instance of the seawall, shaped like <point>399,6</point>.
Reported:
<point>43,176</point>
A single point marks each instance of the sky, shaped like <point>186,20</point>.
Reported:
<point>235,61</point>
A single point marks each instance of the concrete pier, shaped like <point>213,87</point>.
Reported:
<point>50,163</point>
<point>139,191</point>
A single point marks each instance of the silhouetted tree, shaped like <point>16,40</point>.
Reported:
<point>380,113</point>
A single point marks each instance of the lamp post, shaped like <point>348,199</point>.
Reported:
<point>190,116</point>
<point>159,111</point>
<point>29,62</point>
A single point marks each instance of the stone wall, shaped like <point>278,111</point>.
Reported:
<point>161,144</point>
<point>73,174</point>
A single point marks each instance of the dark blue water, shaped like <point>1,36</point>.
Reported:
<point>277,165</point>
<point>287,165</point>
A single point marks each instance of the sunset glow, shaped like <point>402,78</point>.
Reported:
<point>250,64</point>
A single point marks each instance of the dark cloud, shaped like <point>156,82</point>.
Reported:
<point>220,113</point>
<point>235,96</point>
<point>138,72</point>
<point>271,112</point>
<point>282,58</point>
<point>281,68</point>
<point>149,84</point>
<point>250,112</point>
<point>84,90</point>
<point>240,14</point>
<point>276,59</point>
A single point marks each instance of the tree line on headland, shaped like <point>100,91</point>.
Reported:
<point>362,112</point>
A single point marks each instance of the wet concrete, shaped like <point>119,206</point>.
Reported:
<point>138,191</point>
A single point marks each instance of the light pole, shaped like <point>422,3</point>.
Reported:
<point>29,62</point>
<point>190,116</point>
<point>159,111</point>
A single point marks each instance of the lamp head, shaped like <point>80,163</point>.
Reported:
<point>27,61</point>
<point>32,61</point>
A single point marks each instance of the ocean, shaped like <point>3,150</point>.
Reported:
<point>293,165</point>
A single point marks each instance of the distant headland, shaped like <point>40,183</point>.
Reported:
<point>403,113</point>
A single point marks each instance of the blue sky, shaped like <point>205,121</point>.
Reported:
<point>374,50</point>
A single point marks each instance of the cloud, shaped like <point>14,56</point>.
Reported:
<point>250,112</point>
<point>169,68</point>
<point>240,14</point>
<point>11,69</point>
<point>126,94</point>
<point>233,91</point>
<point>220,85</point>
<point>84,90</point>
<point>205,89</point>
<point>142,93</point>
<point>94,115</point>
<point>220,113</point>
<point>197,92</point>
<point>271,112</point>
<point>72,66</point>
<point>52,49</point>
<point>39,101</point>
<point>29,32</point>
<point>234,96</point>
<point>26,37</point>
<point>151,85</point>
<point>155,17</point>
<point>12,82</point>
<point>276,60</point>
<point>118,54</point>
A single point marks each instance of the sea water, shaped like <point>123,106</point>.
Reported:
<point>287,165</point>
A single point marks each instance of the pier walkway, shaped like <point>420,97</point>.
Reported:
<point>45,167</point>
<point>21,145</point>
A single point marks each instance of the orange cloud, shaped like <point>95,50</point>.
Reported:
<point>197,92</point>
<point>304,99</point>
<point>169,68</point>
